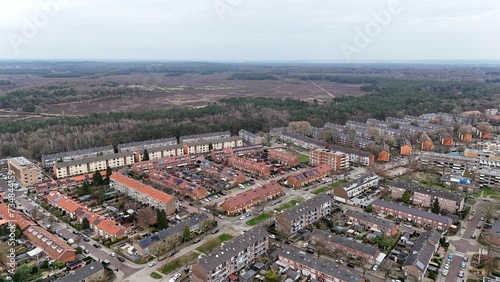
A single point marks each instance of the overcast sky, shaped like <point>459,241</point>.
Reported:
<point>250,30</point>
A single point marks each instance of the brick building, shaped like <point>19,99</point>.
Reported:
<point>373,223</point>
<point>355,156</point>
<point>255,168</point>
<point>184,187</point>
<point>90,165</point>
<point>354,188</point>
<point>219,155</point>
<point>286,159</point>
<point>250,198</point>
<point>25,172</point>
<point>335,160</point>
<point>164,163</point>
<point>384,155</point>
<point>303,178</point>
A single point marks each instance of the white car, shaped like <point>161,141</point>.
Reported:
<point>113,254</point>
<point>375,267</point>
<point>153,263</point>
<point>305,244</point>
<point>203,209</point>
<point>177,275</point>
<point>220,216</point>
<point>272,236</point>
<point>445,272</point>
<point>242,217</point>
<point>446,266</point>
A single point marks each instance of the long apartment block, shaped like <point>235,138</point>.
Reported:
<point>90,165</point>
<point>336,160</point>
<point>50,159</point>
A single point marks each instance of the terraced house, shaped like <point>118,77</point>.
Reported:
<point>164,163</point>
<point>417,262</point>
<point>251,198</point>
<point>303,214</point>
<point>143,193</point>
<point>222,262</point>
<point>255,168</point>
<point>226,174</point>
<point>332,242</point>
<point>219,155</point>
<point>354,188</point>
<point>372,223</point>
<point>286,159</point>
<point>425,196</point>
<point>182,186</point>
<point>303,178</point>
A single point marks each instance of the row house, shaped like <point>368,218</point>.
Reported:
<point>148,144</point>
<point>405,148</point>
<point>384,155</point>
<point>356,156</point>
<point>102,225</point>
<point>302,178</point>
<point>160,152</point>
<point>172,234</point>
<point>416,263</point>
<point>277,131</point>
<point>336,127</point>
<point>204,136</point>
<point>336,160</point>
<point>183,187</point>
<point>393,121</point>
<point>363,142</point>
<point>232,256</point>
<point>53,247</point>
<point>24,171</point>
<point>286,159</point>
<point>302,141</point>
<point>355,188</point>
<point>90,165</point>
<point>389,131</point>
<point>411,214</point>
<point>446,140</point>
<point>49,160</point>
<point>143,193</point>
<point>425,196</point>
<point>356,125</point>
<point>255,168</point>
<point>250,138</point>
<point>409,130</point>
<point>318,269</point>
<point>65,183</point>
<point>374,223</point>
<point>219,155</point>
<point>91,272</point>
<point>363,133</point>
<point>250,198</point>
<point>315,132</point>
<point>488,146</point>
<point>335,243</point>
<point>226,174</point>
<point>206,146</point>
<point>303,214</point>
<point>421,120</point>
<point>446,162</point>
<point>164,163</point>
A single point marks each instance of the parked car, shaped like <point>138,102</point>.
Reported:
<point>121,259</point>
<point>461,274</point>
<point>305,244</point>
<point>445,272</point>
<point>466,258</point>
<point>242,217</point>
<point>375,267</point>
<point>153,263</point>
<point>96,245</point>
<point>76,232</point>
<point>446,266</point>
<point>86,239</point>
<point>463,265</point>
<point>86,252</point>
<point>350,265</point>
<point>272,236</point>
<point>310,250</point>
<point>450,255</point>
<point>215,231</point>
<point>177,275</point>
<point>122,244</point>
<point>196,240</point>
<point>249,214</point>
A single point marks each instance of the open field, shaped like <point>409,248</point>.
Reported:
<point>285,206</point>
<point>258,219</point>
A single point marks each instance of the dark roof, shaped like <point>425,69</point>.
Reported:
<point>370,218</point>
<point>83,273</point>
<point>416,212</point>
<point>364,248</point>
<point>306,206</point>
<point>350,151</point>
<point>176,229</point>
<point>422,251</point>
<point>413,187</point>
<point>319,265</point>
<point>94,159</point>
<point>305,139</point>
<point>231,248</point>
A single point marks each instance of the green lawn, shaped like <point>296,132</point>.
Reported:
<point>258,219</point>
<point>214,243</point>
<point>326,188</point>
<point>302,158</point>
<point>488,191</point>
<point>286,205</point>
<point>156,275</point>
<point>179,262</point>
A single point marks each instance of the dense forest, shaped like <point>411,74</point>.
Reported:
<point>387,97</point>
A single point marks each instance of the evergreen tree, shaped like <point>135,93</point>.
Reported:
<point>161,219</point>
<point>435,208</point>
<point>146,155</point>
<point>108,172</point>
<point>85,224</point>
<point>406,197</point>
<point>187,234</point>
<point>97,179</point>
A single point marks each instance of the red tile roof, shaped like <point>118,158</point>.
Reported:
<point>251,196</point>
<point>145,189</point>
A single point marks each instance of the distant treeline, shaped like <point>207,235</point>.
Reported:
<point>4,82</point>
<point>252,76</point>
<point>397,98</point>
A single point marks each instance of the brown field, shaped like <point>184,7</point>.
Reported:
<point>162,92</point>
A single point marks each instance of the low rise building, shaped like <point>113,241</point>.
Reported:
<point>184,187</point>
<point>302,141</point>
<point>421,217</point>
<point>148,144</point>
<point>88,273</point>
<point>447,162</point>
<point>335,160</point>
<point>384,155</point>
<point>288,160</point>
<point>49,160</point>
<point>231,256</point>
<point>226,174</point>
<point>24,171</point>
<point>204,136</point>
<point>425,196</point>
<point>170,236</point>
<point>90,165</point>
<point>405,148</point>
<point>303,214</point>
<point>164,163</point>
<point>219,155</point>
<point>65,183</point>
<point>373,223</point>
<point>305,177</point>
<point>250,198</point>
<point>143,193</point>
<point>488,177</point>
<point>317,269</point>
<point>250,138</point>
<point>255,168</point>
<point>355,156</point>
<point>335,243</point>
<point>354,188</point>
<point>160,152</point>
<point>207,145</point>
<point>415,265</point>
